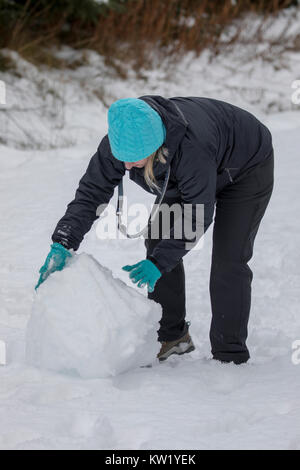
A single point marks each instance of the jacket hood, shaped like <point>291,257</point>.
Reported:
<point>175,124</point>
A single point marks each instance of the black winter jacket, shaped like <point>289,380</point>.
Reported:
<point>209,142</point>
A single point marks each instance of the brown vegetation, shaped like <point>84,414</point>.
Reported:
<point>125,29</point>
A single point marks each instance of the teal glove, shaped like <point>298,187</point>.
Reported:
<point>55,261</point>
<point>144,272</point>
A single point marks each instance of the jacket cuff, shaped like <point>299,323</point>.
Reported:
<point>156,263</point>
<point>63,235</point>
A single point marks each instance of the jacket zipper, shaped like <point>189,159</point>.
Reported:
<point>229,175</point>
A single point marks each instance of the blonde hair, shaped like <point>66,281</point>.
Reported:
<point>159,155</point>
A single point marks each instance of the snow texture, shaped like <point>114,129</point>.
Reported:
<point>85,322</point>
<point>214,406</point>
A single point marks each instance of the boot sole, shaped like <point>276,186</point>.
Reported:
<point>176,350</point>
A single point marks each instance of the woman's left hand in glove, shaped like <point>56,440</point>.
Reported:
<point>144,272</point>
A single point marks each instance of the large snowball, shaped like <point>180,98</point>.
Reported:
<point>86,322</point>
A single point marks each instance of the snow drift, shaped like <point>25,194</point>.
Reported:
<point>86,322</point>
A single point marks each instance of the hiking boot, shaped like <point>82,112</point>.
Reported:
<point>179,346</point>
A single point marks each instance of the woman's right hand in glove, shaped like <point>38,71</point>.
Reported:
<point>55,261</point>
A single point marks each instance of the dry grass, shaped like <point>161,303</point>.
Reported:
<point>170,27</point>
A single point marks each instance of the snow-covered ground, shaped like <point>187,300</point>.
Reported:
<point>189,402</point>
<point>212,405</point>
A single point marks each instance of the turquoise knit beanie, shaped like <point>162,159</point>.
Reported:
<point>135,129</point>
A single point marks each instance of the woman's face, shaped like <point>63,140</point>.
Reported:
<point>138,164</point>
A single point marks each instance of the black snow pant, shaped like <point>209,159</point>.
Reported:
<point>240,207</point>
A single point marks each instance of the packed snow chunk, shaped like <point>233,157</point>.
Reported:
<point>86,322</point>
